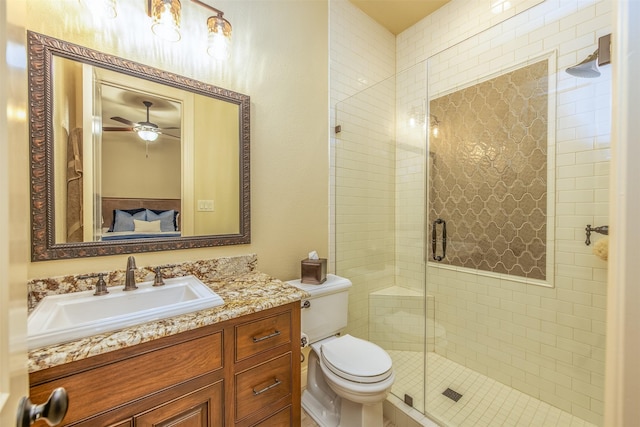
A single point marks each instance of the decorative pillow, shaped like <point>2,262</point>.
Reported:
<point>167,218</point>
<point>123,219</point>
<point>146,226</point>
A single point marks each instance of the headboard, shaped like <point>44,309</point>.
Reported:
<point>111,203</point>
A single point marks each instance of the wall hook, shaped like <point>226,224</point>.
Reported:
<point>604,229</point>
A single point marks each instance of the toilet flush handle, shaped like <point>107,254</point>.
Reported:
<point>306,304</point>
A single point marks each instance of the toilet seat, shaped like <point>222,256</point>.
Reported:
<point>356,360</point>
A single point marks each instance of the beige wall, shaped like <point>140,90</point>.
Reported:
<point>130,169</point>
<point>65,76</point>
<point>14,201</point>
<point>280,59</point>
<point>216,161</point>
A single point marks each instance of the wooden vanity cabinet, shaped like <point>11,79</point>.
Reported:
<point>242,372</point>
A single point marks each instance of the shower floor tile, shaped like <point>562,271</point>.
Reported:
<point>484,401</point>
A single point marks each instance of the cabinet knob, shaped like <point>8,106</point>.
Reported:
<point>52,411</point>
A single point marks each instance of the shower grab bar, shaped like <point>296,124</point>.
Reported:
<point>434,239</point>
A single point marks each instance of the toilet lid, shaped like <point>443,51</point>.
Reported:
<point>356,360</point>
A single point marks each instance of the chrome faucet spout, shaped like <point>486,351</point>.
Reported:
<point>130,275</point>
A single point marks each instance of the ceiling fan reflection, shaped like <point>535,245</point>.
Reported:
<point>146,130</point>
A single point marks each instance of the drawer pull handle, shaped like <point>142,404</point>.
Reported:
<point>267,388</point>
<point>266,337</point>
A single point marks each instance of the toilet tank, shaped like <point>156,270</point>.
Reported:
<point>326,313</point>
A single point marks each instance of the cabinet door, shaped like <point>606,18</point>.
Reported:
<point>202,408</point>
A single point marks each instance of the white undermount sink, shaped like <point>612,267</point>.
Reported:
<point>67,317</point>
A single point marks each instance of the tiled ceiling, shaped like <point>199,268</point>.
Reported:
<point>398,15</point>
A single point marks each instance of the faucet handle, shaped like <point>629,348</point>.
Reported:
<point>101,285</point>
<point>159,280</point>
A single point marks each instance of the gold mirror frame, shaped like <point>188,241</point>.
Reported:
<point>43,245</point>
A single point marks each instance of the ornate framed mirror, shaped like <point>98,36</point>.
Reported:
<point>128,158</point>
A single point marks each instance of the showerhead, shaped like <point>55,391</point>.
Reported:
<point>587,68</point>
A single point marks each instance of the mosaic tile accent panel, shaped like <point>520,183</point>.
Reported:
<point>488,173</point>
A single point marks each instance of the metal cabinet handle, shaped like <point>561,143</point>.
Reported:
<point>266,337</point>
<point>52,411</point>
<point>269,387</point>
<point>434,239</point>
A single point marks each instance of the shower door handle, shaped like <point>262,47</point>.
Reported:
<point>434,239</point>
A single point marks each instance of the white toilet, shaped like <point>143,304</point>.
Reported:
<point>348,378</point>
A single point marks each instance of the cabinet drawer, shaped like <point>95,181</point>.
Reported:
<point>262,385</point>
<point>264,334</point>
<point>279,419</point>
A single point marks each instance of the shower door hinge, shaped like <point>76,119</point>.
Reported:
<point>338,129</point>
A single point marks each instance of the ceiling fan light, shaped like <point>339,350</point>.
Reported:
<point>166,19</point>
<point>147,133</point>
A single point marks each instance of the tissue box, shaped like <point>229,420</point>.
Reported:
<point>313,271</point>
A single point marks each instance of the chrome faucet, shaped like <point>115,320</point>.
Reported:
<point>130,275</point>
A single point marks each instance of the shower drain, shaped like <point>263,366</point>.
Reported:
<point>453,395</point>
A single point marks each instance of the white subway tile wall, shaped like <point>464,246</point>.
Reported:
<point>362,53</point>
<point>544,341</point>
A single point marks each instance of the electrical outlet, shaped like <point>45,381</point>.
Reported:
<point>205,205</point>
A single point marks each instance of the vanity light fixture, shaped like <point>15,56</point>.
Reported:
<point>101,8</point>
<point>108,8</point>
<point>435,125</point>
<point>165,15</point>
<point>219,37</point>
<point>218,33</point>
<point>166,24</point>
<point>416,116</point>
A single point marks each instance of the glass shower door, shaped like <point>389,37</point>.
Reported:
<point>513,176</point>
<point>379,224</point>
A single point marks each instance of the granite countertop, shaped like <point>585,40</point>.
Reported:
<point>244,294</point>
